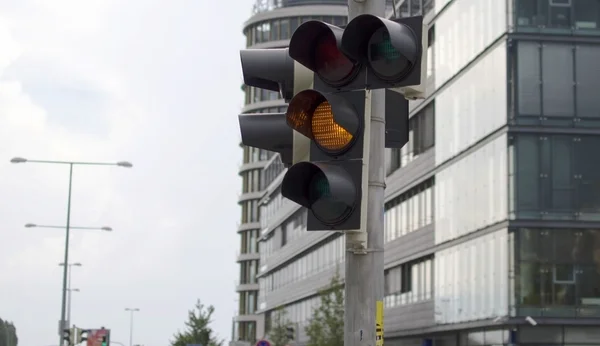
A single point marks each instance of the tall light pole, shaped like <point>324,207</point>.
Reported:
<point>131,311</point>
<point>68,227</point>
<point>69,288</point>
<point>70,291</point>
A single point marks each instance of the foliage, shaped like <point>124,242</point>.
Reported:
<point>8,334</point>
<point>278,333</point>
<point>326,327</point>
<point>198,330</point>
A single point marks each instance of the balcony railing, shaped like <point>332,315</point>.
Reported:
<point>270,5</point>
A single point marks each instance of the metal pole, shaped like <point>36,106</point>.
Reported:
<point>131,329</point>
<point>69,306</point>
<point>66,260</point>
<point>364,272</point>
<point>70,295</point>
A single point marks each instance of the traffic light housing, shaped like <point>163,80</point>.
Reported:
<point>316,45</point>
<point>330,184</point>
<point>290,333</point>
<point>105,341</point>
<point>273,69</point>
<point>83,335</point>
<point>268,131</point>
<point>68,336</point>
<point>371,52</point>
<point>270,69</point>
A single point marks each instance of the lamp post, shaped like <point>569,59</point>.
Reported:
<point>68,226</point>
<point>131,311</point>
<point>70,290</point>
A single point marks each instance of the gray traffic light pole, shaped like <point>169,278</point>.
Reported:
<point>364,272</point>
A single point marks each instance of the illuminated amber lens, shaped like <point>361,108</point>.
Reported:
<point>326,132</point>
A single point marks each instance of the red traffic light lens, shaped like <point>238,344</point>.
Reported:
<point>330,63</point>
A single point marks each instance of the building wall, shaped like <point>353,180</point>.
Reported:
<point>499,220</point>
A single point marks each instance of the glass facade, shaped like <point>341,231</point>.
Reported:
<point>573,17</point>
<point>471,279</point>
<point>558,272</point>
<point>472,193</point>
<point>409,283</point>
<point>409,212</point>
<point>320,258</point>
<point>550,96</point>
<point>282,28</point>
<point>555,177</point>
<point>460,121</point>
<point>463,31</point>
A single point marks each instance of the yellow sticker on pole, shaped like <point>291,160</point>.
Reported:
<point>379,324</point>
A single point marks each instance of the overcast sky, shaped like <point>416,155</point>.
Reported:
<point>156,83</point>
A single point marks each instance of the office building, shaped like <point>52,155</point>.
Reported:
<point>493,207</point>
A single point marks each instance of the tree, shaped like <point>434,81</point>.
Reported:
<point>278,335</point>
<point>326,327</point>
<point>8,334</point>
<point>197,329</point>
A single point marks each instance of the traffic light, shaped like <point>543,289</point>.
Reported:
<point>68,336</point>
<point>105,336</point>
<point>83,335</point>
<point>330,184</point>
<point>273,69</point>
<point>290,333</point>
<point>393,51</point>
<point>316,45</point>
<point>335,114</point>
<point>370,53</point>
<point>270,69</point>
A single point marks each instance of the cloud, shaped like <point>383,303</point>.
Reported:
<point>105,81</point>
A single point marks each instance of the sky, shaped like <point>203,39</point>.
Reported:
<point>153,82</point>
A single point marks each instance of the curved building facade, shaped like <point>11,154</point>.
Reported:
<point>270,26</point>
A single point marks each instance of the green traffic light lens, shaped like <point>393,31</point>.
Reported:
<point>324,205</point>
<point>385,60</point>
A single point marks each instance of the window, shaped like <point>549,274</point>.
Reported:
<point>421,138</point>
<point>472,193</point>
<point>282,28</point>
<point>556,177</point>
<point>471,279</point>
<point>573,16</point>
<point>324,256</point>
<point>409,283</point>
<point>247,331</point>
<point>409,212</point>
<point>557,270</point>
<point>552,96</point>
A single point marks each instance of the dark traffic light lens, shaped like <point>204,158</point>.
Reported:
<point>331,64</point>
<point>386,61</point>
<point>324,205</point>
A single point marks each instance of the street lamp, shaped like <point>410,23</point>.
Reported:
<point>68,227</point>
<point>131,311</point>
<point>71,265</point>
<point>103,228</point>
